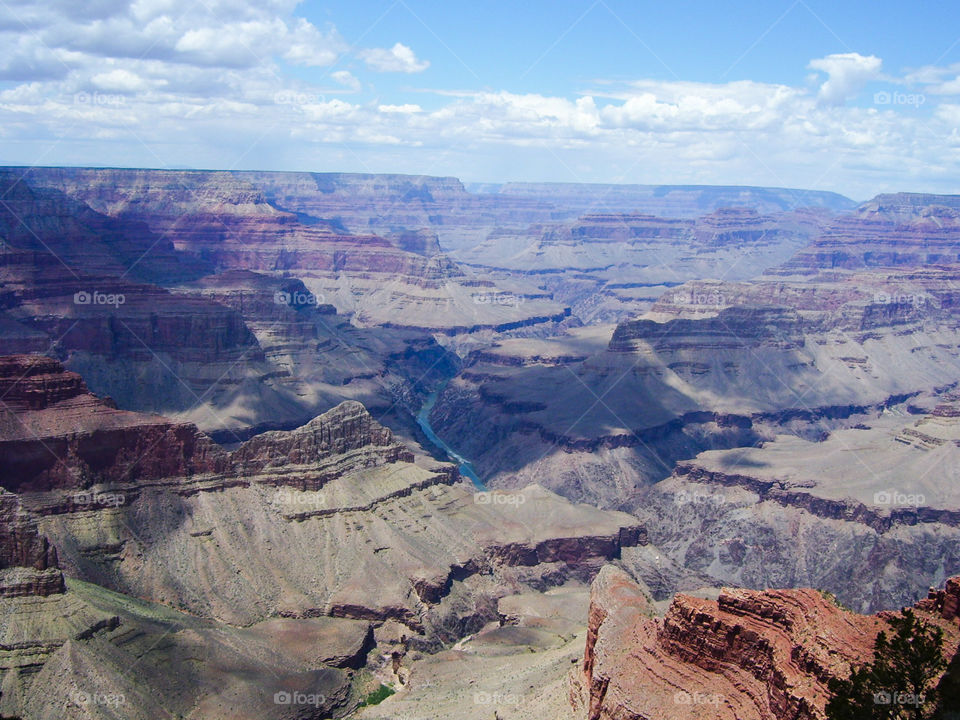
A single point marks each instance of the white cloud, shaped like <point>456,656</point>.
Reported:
<point>309,46</point>
<point>936,80</point>
<point>201,92</point>
<point>119,80</point>
<point>347,79</point>
<point>404,109</point>
<point>847,73</point>
<point>399,58</point>
<point>214,33</point>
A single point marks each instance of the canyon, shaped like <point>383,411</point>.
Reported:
<point>532,450</point>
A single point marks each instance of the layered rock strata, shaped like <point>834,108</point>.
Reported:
<point>747,655</point>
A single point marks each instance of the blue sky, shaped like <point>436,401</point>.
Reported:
<point>494,43</point>
<point>858,98</point>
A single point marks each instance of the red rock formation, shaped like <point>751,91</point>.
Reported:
<point>55,434</point>
<point>945,603</point>
<point>749,655</point>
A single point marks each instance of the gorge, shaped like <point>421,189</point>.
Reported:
<point>492,448</point>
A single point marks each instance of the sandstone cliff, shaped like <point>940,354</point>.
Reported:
<point>56,435</point>
<point>748,655</point>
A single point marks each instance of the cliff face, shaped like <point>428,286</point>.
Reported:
<point>55,434</point>
<point>364,243</point>
<point>28,563</point>
<point>876,497</point>
<point>46,221</point>
<point>131,500</point>
<point>890,231</point>
<point>347,427</point>
<point>75,282</point>
<point>732,328</point>
<point>224,219</point>
<point>748,655</point>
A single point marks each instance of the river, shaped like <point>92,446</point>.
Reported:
<point>423,420</point>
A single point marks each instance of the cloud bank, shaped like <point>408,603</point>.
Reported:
<point>178,83</point>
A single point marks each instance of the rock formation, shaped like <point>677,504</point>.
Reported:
<point>747,655</point>
<point>28,563</point>
<point>56,435</point>
<point>152,508</point>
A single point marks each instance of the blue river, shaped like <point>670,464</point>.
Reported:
<point>423,420</point>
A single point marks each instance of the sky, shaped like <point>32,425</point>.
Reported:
<point>854,97</point>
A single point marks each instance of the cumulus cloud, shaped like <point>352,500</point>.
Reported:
<point>198,90</point>
<point>399,58</point>
<point>847,73</point>
<point>119,80</point>
<point>54,38</point>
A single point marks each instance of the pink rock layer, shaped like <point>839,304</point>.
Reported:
<point>749,655</point>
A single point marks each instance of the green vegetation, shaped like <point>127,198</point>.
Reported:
<point>378,695</point>
<point>833,598</point>
<point>895,686</point>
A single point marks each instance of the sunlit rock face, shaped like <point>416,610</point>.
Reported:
<point>746,654</point>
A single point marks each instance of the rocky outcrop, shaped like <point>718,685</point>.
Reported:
<point>874,497</point>
<point>890,231</point>
<point>56,435</point>
<point>944,602</point>
<point>422,242</point>
<point>28,563</point>
<point>748,655</point>
<point>152,494</point>
<point>365,243</point>
<point>732,328</point>
<point>344,430</point>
